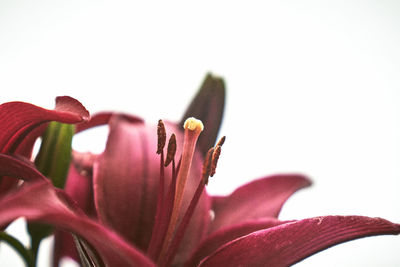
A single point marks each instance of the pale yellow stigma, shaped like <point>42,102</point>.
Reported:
<point>193,124</point>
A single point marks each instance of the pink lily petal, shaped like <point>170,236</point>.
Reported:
<point>123,184</point>
<point>40,201</point>
<point>103,118</point>
<point>126,179</point>
<point>289,243</point>
<point>79,187</point>
<point>225,235</point>
<point>260,198</point>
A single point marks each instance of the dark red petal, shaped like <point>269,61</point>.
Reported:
<point>26,146</point>
<point>260,198</point>
<point>40,201</point>
<point>71,110</point>
<point>19,118</point>
<point>219,238</point>
<point>289,243</point>
<point>9,165</point>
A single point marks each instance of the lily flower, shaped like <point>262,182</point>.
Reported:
<point>236,236</point>
<point>143,202</point>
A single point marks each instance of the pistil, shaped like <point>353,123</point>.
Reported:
<point>173,248</point>
<point>193,127</point>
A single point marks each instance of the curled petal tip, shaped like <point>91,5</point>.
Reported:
<point>69,104</point>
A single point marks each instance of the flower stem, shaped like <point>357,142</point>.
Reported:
<point>35,243</point>
<point>19,248</point>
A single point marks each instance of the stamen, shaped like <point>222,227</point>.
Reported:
<point>205,174</point>
<point>221,141</point>
<point>171,150</point>
<point>215,155</point>
<point>162,136</point>
<point>166,215</point>
<point>214,161</point>
<point>160,198</point>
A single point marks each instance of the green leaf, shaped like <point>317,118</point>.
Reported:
<point>208,106</point>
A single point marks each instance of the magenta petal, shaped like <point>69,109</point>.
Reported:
<point>289,243</point>
<point>225,235</point>
<point>261,198</point>
<point>40,201</point>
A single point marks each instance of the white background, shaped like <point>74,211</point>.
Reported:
<point>313,87</point>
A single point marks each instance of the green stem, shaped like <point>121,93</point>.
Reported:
<point>35,243</point>
<point>19,248</point>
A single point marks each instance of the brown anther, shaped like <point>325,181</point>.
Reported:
<point>162,136</point>
<point>207,166</point>
<point>214,161</point>
<point>221,141</point>
<point>171,150</point>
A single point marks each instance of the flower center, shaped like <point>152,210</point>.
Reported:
<point>169,226</point>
